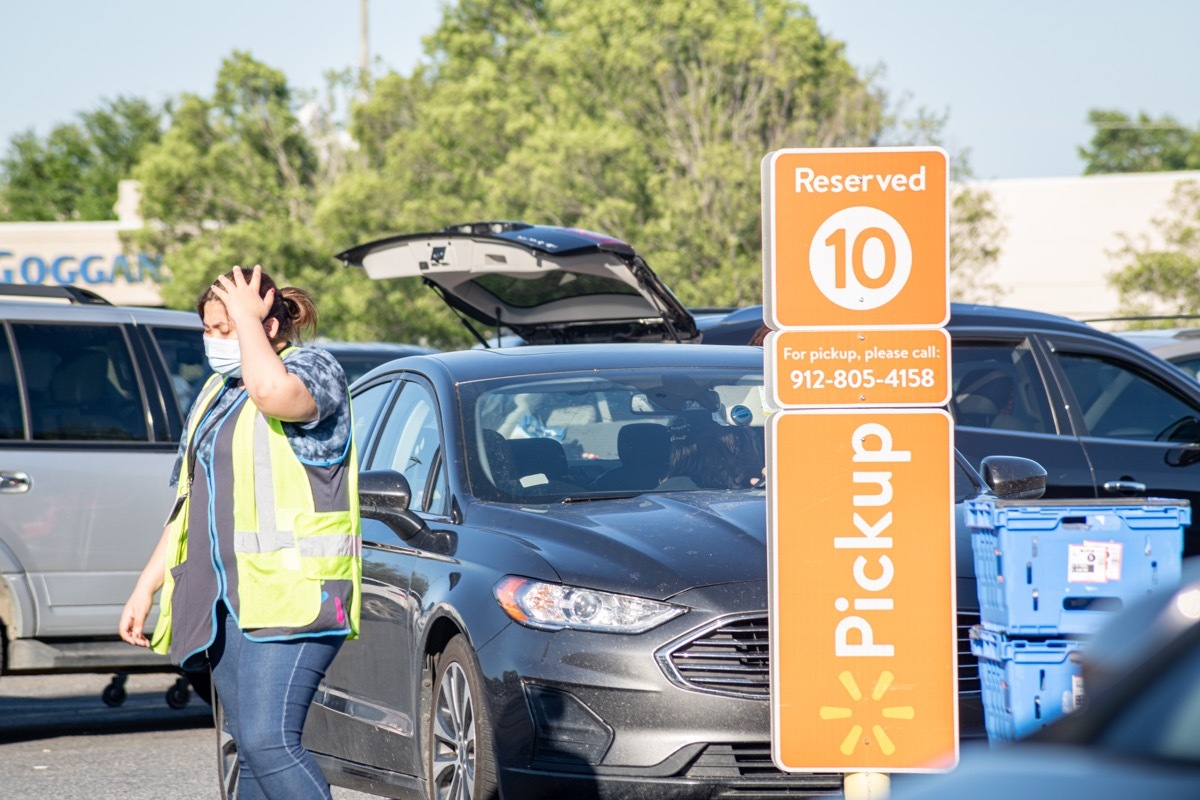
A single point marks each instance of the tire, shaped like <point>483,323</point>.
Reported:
<point>113,696</point>
<point>227,763</point>
<point>458,749</point>
<point>179,694</point>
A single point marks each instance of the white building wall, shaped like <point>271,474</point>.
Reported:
<point>1063,234</point>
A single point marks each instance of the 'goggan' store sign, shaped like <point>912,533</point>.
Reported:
<point>84,254</point>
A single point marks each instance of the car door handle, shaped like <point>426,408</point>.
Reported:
<point>1124,486</point>
<point>14,482</point>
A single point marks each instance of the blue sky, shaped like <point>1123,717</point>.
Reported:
<point>1017,77</point>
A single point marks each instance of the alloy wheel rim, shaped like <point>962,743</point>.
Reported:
<point>454,737</point>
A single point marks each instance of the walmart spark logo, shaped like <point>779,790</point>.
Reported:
<point>850,743</point>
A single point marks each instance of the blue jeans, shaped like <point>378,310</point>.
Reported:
<point>266,689</point>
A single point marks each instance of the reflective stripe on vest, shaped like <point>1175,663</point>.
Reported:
<point>268,537</point>
<point>293,529</point>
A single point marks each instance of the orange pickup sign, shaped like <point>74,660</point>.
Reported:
<point>862,560</point>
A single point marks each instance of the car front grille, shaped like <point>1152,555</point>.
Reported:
<point>732,657</point>
<point>748,766</point>
<point>729,657</point>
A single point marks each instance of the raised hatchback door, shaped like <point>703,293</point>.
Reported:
<point>545,283</point>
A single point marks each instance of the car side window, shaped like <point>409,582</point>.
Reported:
<point>81,383</point>
<point>11,424</point>
<point>365,406</point>
<point>998,385</point>
<point>410,443</point>
<point>1118,402</point>
<point>437,490</point>
<point>183,352</point>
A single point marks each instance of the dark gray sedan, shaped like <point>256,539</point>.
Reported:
<point>565,580</point>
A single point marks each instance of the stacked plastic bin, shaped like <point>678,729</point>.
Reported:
<point>1049,575</point>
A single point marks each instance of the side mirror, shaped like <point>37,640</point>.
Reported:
<point>384,494</point>
<point>1014,478</point>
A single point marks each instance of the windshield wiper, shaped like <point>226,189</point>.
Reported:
<point>591,498</point>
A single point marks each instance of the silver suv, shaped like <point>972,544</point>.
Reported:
<point>92,403</point>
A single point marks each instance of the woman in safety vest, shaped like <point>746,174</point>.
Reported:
<point>260,562</point>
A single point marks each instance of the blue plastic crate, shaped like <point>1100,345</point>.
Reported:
<point>1044,568</point>
<point>1027,684</point>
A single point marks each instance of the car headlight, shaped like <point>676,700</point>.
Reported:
<point>552,606</point>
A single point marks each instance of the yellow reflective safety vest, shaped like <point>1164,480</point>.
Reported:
<point>292,563</point>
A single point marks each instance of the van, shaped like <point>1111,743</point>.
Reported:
<point>92,405</point>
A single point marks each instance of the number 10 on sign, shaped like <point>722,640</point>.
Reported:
<point>855,239</point>
<point>860,258</point>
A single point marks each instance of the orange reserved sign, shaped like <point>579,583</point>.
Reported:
<point>856,238</point>
<point>870,368</point>
<point>862,562</point>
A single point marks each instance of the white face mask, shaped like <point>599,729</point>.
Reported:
<point>224,356</point>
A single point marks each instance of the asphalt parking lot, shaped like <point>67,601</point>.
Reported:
<point>59,741</point>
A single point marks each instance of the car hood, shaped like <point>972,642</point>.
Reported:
<point>652,545</point>
<point>545,283</point>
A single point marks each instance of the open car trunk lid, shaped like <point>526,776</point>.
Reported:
<point>546,284</point>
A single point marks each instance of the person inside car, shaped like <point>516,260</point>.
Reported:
<point>705,455</point>
<point>986,398</point>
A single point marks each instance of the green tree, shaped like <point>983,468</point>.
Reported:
<point>1121,143</point>
<point>237,179</point>
<point>976,231</point>
<point>72,174</point>
<point>976,237</point>
<point>231,180</point>
<point>1161,273</point>
<point>644,120</point>
<point>1162,277</point>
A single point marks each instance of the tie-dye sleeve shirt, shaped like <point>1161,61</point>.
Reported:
<point>325,439</point>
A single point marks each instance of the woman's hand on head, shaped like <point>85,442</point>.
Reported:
<point>241,297</point>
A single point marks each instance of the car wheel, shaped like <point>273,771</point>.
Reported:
<point>227,761</point>
<point>459,747</point>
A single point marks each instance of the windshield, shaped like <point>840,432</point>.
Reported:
<point>602,433</point>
